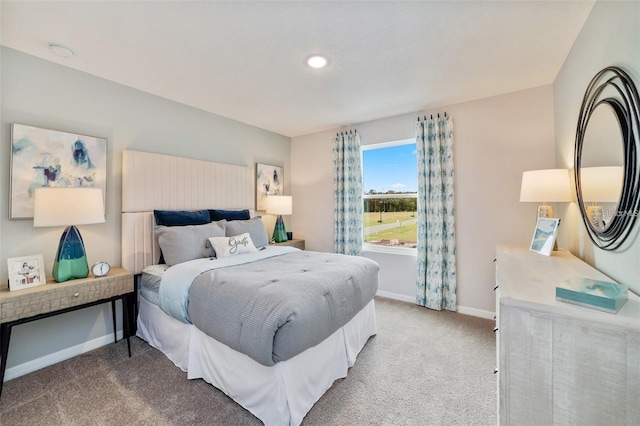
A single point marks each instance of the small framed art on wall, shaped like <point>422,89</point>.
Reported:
<point>269,181</point>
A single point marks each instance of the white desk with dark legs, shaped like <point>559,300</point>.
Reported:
<point>34,303</point>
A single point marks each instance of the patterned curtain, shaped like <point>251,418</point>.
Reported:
<point>436,283</point>
<point>347,189</point>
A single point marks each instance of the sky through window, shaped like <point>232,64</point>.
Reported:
<point>391,168</point>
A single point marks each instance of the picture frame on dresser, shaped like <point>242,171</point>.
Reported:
<point>544,236</point>
<point>26,271</point>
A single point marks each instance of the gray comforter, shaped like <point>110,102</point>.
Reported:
<point>275,308</point>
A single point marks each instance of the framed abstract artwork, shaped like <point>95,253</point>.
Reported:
<point>269,181</point>
<point>50,158</point>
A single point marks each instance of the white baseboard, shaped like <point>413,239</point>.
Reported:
<point>461,309</point>
<point>465,310</point>
<point>396,296</point>
<point>50,359</point>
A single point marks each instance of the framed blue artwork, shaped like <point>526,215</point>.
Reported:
<point>51,158</point>
<point>269,181</point>
<point>544,237</point>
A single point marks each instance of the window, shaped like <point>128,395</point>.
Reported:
<point>390,184</point>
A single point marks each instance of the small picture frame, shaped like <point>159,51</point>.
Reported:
<point>544,237</point>
<point>26,271</point>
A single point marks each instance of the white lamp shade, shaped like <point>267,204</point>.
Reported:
<point>279,204</point>
<point>601,184</point>
<point>67,206</point>
<point>547,186</point>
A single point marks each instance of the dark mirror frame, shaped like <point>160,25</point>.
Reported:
<point>625,103</point>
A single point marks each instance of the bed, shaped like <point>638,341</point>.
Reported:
<point>275,369</point>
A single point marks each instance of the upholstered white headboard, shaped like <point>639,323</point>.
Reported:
<point>163,182</point>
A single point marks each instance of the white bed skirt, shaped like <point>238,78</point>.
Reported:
<point>278,395</point>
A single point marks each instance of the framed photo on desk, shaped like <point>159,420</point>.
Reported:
<point>26,271</point>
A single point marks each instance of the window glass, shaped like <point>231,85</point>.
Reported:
<point>390,184</point>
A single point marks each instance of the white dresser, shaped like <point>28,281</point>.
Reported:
<point>558,363</point>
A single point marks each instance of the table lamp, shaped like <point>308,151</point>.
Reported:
<point>68,207</point>
<point>545,186</point>
<point>279,205</point>
<point>600,185</point>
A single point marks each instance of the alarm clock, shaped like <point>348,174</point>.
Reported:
<point>100,269</point>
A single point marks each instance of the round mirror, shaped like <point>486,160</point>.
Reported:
<point>602,166</point>
<point>606,158</point>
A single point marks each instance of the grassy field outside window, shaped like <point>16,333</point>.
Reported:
<point>397,229</point>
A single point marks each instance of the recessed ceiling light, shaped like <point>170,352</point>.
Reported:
<point>317,61</point>
<point>60,50</point>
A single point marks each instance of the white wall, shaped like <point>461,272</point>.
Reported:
<point>44,94</point>
<point>495,140</point>
<point>610,36</point>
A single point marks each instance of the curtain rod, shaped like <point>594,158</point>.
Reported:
<point>425,117</point>
<point>350,132</point>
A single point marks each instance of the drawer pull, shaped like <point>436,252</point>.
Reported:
<point>76,294</point>
<point>495,287</point>
<point>495,329</point>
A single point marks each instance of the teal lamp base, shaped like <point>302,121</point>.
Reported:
<point>279,233</point>
<point>71,258</point>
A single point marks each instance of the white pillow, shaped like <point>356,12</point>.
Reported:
<point>232,246</point>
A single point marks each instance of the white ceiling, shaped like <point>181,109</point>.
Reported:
<point>246,59</point>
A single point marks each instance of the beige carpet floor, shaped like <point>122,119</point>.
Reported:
<point>423,368</point>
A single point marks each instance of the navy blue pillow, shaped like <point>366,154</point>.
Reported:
<point>229,215</point>
<point>181,217</point>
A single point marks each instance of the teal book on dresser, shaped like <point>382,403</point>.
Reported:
<point>601,295</point>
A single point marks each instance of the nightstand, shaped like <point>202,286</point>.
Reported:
<point>293,243</point>
<point>34,303</point>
